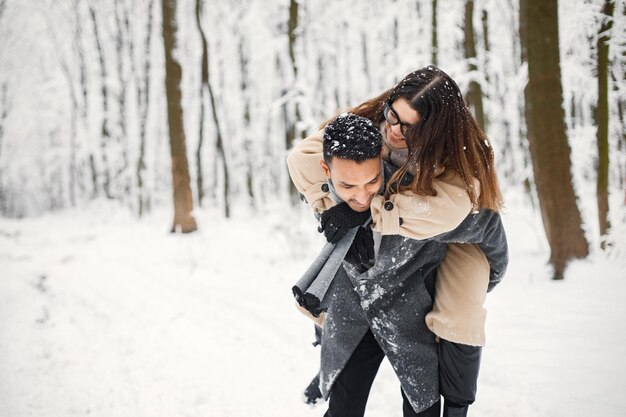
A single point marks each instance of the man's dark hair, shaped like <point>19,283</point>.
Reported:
<point>351,137</point>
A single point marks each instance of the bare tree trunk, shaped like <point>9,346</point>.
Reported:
<point>602,120</point>
<point>621,140</point>
<point>366,66</point>
<point>78,36</point>
<point>320,84</point>
<point>72,169</point>
<point>105,135</point>
<point>183,203</point>
<point>547,137</point>
<point>205,76</point>
<point>474,93</point>
<point>122,24</point>
<point>247,142</point>
<point>4,108</point>
<point>3,115</point>
<point>292,26</point>
<point>84,87</point>
<point>291,123</point>
<point>219,142</point>
<point>94,174</point>
<point>434,45</point>
<point>523,29</point>
<point>485,23</point>
<point>523,59</point>
<point>143,97</point>
<point>4,112</point>
<point>487,48</point>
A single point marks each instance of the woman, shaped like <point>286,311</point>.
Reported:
<point>430,135</point>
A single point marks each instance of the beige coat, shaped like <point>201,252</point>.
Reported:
<point>462,278</point>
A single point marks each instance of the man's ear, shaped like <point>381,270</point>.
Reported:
<point>325,168</point>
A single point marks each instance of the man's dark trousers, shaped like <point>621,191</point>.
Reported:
<point>349,393</point>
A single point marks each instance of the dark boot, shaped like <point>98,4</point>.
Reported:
<point>312,393</point>
<point>451,409</point>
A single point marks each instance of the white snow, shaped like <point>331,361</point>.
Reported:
<point>105,315</point>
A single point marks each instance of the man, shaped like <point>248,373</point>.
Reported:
<point>358,175</point>
<point>378,309</point>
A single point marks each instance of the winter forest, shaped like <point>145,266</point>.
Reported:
<point>124,120</point>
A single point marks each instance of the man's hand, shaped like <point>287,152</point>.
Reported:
<point>361,253</point>
<point>336,221</point>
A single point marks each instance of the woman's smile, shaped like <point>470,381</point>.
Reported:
<point>393,140</point>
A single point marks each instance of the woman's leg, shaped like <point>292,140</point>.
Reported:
<point>458,376</point>
<point>349,393</point>
<point>408,411</point>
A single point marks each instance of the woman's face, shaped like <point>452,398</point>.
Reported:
<point>400,109</point>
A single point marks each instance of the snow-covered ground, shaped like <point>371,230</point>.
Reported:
<point>103,315</point>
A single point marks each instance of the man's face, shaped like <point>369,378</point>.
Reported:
<point>356,183</point>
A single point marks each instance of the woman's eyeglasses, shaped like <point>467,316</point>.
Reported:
<point>393,119</point>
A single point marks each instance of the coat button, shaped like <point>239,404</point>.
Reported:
<point>388,206</point>
<point>325,188</point>
<point>400,220</point>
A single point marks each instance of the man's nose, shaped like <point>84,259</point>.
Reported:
<point>362,197</point>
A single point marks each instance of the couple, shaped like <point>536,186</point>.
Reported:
<point>428,183</point>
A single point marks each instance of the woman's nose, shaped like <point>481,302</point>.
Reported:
<point>396,130</point>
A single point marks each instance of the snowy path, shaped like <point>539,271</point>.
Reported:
<point>103,316</point>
